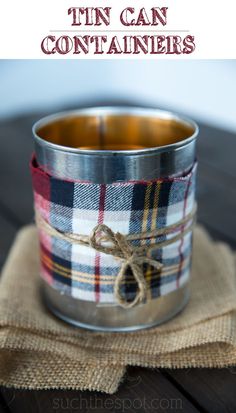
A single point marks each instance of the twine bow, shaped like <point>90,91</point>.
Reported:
<point>120,247</point>
<point>131,258</point>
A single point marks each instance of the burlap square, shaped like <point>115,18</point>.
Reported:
<point>37,351</point>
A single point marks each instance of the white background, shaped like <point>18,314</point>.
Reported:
<point>203,89</point>
<point>23,25</point>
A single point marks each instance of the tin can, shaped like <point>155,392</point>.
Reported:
<point>108,146</point>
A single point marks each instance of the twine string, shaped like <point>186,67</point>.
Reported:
<point>132,257</point>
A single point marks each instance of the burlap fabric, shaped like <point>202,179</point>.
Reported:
<point>37,351</point>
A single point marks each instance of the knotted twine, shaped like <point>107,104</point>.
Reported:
<point>120,247</point>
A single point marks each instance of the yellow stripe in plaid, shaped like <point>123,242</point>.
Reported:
<point>149,272</point>
<point>145,218</point>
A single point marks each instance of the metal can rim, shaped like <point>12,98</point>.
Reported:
<point>119,111</point>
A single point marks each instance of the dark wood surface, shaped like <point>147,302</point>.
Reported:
<point>185,390</point>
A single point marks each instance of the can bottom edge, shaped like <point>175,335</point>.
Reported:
<point>89,316</point>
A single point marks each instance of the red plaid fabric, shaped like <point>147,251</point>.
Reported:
<point>126,207</point>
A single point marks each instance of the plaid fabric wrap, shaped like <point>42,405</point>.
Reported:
<point>127,207</point>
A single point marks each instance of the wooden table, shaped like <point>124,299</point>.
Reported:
<point>188,390</point>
